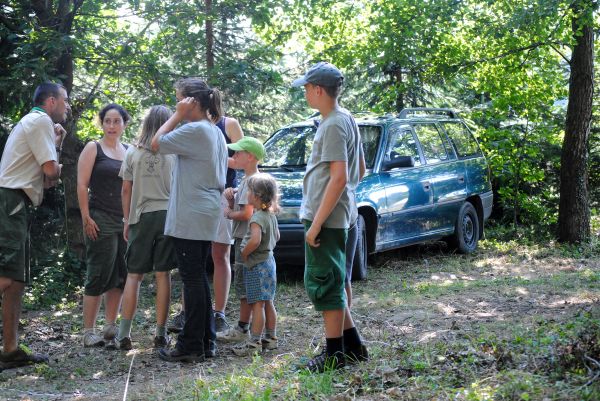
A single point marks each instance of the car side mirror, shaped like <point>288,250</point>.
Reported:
<point>399,161</point>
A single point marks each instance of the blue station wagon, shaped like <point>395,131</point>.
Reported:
<point>427,179</point>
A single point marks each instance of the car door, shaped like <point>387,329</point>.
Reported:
<point>409,196</point>
<point>446,175</point>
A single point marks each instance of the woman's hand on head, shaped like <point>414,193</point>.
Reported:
<point>185,105</point>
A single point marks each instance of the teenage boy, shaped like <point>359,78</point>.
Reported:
<point>248,153</point>
<point>29,163</point>
<point>328,203</point>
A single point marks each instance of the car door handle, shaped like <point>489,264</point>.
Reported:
<point>427,186</point>
<point>461,179</point>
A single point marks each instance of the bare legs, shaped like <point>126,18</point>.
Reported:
<point>12,294</point>
<point>91,306</point>
<point>222,274</point>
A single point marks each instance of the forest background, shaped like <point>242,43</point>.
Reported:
<point>519,71</point>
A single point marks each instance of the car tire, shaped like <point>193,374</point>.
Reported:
<point>359,265</point>
<point>466,231</point>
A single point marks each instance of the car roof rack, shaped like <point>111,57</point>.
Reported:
<point>428,111</point>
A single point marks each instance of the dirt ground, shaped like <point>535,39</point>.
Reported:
<point>414,296</point>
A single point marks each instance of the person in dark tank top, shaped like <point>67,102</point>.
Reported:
<point>99,194</point>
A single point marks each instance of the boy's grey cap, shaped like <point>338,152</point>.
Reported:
<point>323,74</point>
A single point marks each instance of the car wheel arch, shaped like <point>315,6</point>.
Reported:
<point>370,217</point>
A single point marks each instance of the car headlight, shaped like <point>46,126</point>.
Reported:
<point>289,214</point>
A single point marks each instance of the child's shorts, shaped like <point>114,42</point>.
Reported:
<point>325,271</point>
<point>261,281</point>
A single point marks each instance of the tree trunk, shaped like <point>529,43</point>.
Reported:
<point>574,208</point>
<point>210,38</point>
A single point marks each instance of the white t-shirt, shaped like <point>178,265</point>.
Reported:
<point>30,145</point>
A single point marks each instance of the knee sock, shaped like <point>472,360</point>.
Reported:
<point>270,333</point>
<point>352,339</point>
<point>335,345</point>
<point>124,329</point>
<point>255,338</point>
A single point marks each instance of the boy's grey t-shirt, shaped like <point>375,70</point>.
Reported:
<point>198,180</point>
<point>269,229</point>
<point>241,200</point>
<point>337,139</point>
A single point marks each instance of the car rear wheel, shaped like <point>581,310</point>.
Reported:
<point>359,266</point>
<point>466,232</point>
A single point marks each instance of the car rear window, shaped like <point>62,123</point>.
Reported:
<point>291,147</point>
<point>462,140</point>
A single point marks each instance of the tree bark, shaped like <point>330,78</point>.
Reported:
<point>574,208</point>
<point>210,37</point>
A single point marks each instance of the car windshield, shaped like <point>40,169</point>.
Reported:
<point>291,147</point>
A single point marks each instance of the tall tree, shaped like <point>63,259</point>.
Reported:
<point>574,209</point>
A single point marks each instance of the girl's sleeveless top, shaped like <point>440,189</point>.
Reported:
<point>105,183</point>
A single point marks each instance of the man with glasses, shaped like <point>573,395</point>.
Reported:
<point>29,164</point>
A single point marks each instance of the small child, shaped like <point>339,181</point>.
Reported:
<point>259,264</point>
<point>248,153</point>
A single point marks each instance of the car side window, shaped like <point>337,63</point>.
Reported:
<point>462,140</point>
<point>402,143</point>
<point>432,144</point>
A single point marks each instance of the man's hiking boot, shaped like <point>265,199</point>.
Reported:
<point>91,339</point>
<point>20,357</point>
<point>175,355</point>
<point>221,324</point>
<point>110,336</point>
<point>176,324</point>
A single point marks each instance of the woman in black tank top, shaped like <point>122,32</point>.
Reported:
<point>99,194</point>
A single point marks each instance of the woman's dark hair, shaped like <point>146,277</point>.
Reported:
<point>154,119</point>
<point>208,98</point>
<point>44,91</point>
<point>124,115</point>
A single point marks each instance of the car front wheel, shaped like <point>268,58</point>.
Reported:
<point>359,266</point>
<point>466,232</point>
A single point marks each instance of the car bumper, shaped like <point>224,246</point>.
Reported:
<point>290,247</point>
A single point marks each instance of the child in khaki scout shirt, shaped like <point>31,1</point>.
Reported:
<point>328,201</point>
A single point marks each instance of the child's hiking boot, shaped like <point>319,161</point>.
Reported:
<point>248,348</point>
<point>91,339</point>
<point>269,343</point>
<point>161,341</point>
<point>234,335</point>
<point>176,324</point>
<point>323,362</point>
<point>20,357</point>
<point>125,344</point>
<point>359,354</point>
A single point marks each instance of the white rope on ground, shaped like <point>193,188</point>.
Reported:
<point>128,376</point>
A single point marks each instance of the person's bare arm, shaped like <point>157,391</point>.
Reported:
<point>84,173</point>
<point>338,177</point>
<point>126,203</point>
<point>181,109</point>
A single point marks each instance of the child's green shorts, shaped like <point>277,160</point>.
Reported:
<point>149,249</point>
<point>325,271</point>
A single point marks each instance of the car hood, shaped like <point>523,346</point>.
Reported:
<point>290,186</point>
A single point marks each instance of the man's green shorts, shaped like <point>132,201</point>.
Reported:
<point>238,270</point>
<point>325,271</point>
<point>105,257</point>
<point>149,249</point>
<point>14,234</point>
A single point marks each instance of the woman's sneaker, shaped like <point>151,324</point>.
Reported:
<point>269,343</point>
<point>248,348</point>
<point>91,339</point>
<point>233,335</point>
